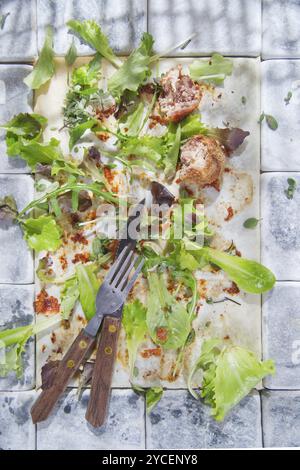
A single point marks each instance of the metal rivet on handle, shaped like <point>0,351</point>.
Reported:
<point>108,350</point>
<point>83,344</point>
<point>70,364</point>
<point>112,329</point>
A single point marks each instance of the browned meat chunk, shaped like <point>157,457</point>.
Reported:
<point>203,160</point>
<point>180,95</point>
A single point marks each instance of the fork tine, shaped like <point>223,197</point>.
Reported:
<point>117,264</point>
<point>132,280</point>
<point>122,277</point>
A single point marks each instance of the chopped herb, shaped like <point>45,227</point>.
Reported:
<point>244,100</point>
<point>3,19</point>
<point>251,222</point>
<point>292,186</point>
<point>288,97</point>
<point>271,121</point>
<point>261,118</point>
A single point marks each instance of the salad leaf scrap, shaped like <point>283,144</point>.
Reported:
<point>42,233</point>
<point>213,71</point>
<point>44,69</point>
<point>134,323</point>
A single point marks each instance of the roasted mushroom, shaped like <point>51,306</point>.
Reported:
<point>180,95</point>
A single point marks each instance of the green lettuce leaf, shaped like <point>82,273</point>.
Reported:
<point>44,69</point>
<point>34,152</point>
<point>13,342</point>
<point>42,233</point>
<point>71,54</point>
<point>168,321</point>
<point>134,323</point>
<point>90,32</point>
<point>148,147</point>
<point>249,275</point>
<point>87,75</point>
<point>134,121</point>
<point>88,286</point>
<point>153,396</point>
<point>229,374</point>
<point>134,71</point>
<point>213,71</point>
<point>69,295</point>
<point>191,125</point>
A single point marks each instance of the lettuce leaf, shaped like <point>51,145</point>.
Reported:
<point>71,54</point>
<point>42,233</point>
<point>134,71</point>
<point>69,295</point>
<point>34,152</point>
<point>77,132</point>
<point>148,147</point>
<point>168,321</point>
<point>8,208</point>
<point>213,71</point>
<point>13,342</point>
<point>90,32</point>
<point>88,286</point>
<point>44,69</point>
<point>229,374</point>
<point>153,396</point>
<point>135,326</point>
<point>191,125</point>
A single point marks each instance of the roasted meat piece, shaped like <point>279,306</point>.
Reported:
<point>203,160</point>
<point>180,95</point>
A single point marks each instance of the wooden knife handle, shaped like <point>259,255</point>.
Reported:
<point>79,351</point>
<point>103,371</point>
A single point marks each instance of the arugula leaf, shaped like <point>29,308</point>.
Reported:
<point>69,295</point>
<point>134,323</point>
<point>44,69</point>
<point>249,275</point>
<point>213,71</point>
<point>71,54</point>
<point>77,132</point>
<point>88,286</point>
<point>13,341</point>
<point>67,167</point>
<point>42,233</point>
<point>229,374</point>
<point>146,146</point>
<point>171,157</point>
<point>167,320</point>
<point>90,32</point>
<point>134,71</point>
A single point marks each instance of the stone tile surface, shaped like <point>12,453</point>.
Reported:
<point>16,429</point>
<point>18,35</point>
<point>15,97</point>
<point>232,27</point>
<point>281,20</point>
<point>280,226</point>
<point>16,262</point>
<point>181,422</point>
<point>281,419</point>
<point>16,309</point>
<point>123,21</point>
<point>67,428</point>
<point>281,333</point>
<point>280,148</point>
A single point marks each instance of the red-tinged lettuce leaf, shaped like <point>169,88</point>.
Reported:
<point>8,208</point>
<point>231,139</point>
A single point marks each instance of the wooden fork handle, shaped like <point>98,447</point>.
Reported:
<point>77,354</point>
<point>103,371</point>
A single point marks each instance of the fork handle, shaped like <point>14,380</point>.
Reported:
<point>76,355</point>
<point>103,371</point>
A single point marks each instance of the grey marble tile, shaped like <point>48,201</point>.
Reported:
<point>123,21</point>
<point>16,261</point>
<point>280,148</point>
<point>16,429</point>
<point>281,418</point>
<point>67,428</point>
<point>231,28</point>
<point>18,36</point>
<point>281,333</point>
<point>15,97</point>
<point>181,422</point>
<point>16,309</point>
<point>281,20</point>
<point>280,226</point>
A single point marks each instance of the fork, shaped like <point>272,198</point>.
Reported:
<point>110,297</point>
